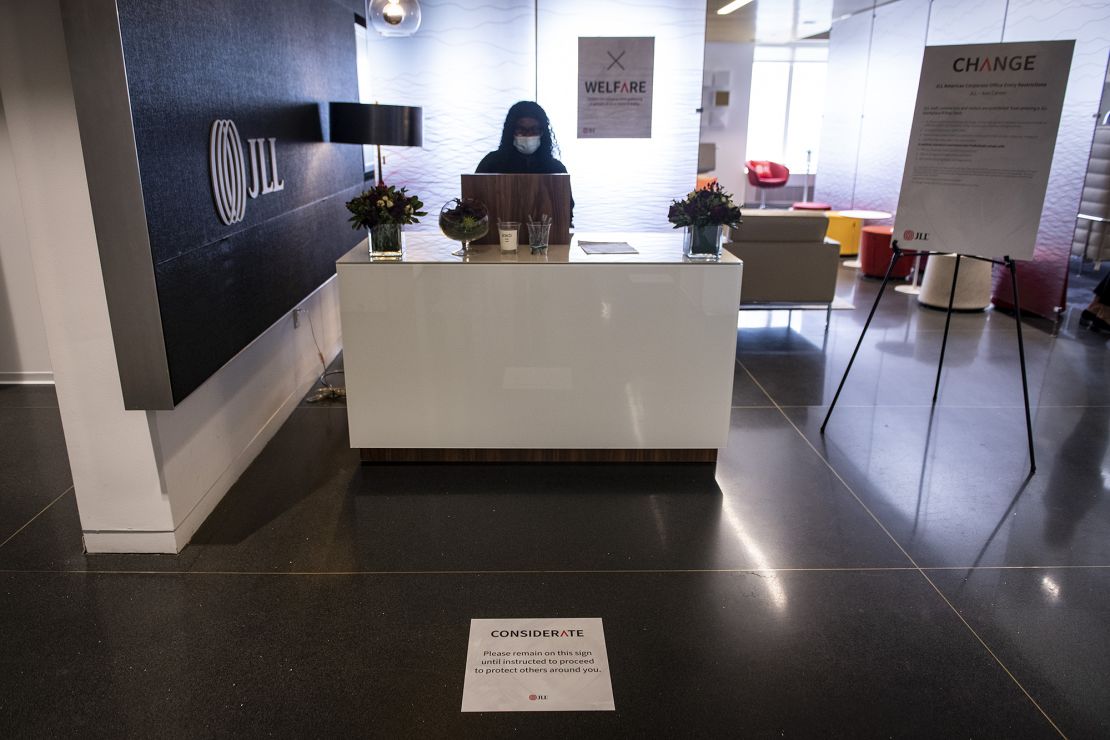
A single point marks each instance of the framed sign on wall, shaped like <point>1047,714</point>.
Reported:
<point>615,78</point>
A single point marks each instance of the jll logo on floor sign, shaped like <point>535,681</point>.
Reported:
<point>229,172</point>
<point>909,235</point>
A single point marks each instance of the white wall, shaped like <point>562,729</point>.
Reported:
<point>470,61</point>
<point>23,354</point>
<point>849,52</point>
<point>144,481</point>
<point>465,66</point>
<point>732,138</point>
<point>897,46</point>
<point>874,64</point>
<point>626,184</point>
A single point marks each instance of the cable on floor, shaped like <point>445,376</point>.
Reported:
<point>327,390</point>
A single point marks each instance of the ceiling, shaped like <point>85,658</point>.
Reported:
<point>776,21</point>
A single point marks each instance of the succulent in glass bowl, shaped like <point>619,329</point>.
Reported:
<point>464,220</point>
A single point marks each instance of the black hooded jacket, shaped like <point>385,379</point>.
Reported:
<point>506,160</point>
<point>511,162</point>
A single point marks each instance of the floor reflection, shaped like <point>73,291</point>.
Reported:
<point>1079,476</point>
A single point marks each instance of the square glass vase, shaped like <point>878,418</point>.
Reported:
<point>387,241</point>
<point>703,242</point>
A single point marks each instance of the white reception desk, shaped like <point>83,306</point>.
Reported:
<point>521,357</point>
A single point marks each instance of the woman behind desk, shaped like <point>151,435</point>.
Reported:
<point>526,144</point>
<point>526,147</point>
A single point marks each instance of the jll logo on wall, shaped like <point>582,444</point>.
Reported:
<point>229,171</point>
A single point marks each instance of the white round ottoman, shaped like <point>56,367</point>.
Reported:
<point>973,288</point>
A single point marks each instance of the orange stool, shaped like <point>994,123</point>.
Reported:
<point>706,181</point>
<point>875,254</point>
<point>811,205</point>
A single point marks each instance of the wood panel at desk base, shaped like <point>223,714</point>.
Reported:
<point>455,455</point>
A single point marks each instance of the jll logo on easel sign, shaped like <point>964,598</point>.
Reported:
<point>229,171</point>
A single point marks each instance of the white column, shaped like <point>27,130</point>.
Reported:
<point>144,480</point>
<point>24,357</point>
<point>111,454</point>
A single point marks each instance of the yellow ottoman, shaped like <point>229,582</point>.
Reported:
<point>847,231</point>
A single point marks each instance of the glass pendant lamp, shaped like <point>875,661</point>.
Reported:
<point>394,17</point>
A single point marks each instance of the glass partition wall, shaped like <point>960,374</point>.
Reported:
<point>466,66</point>
<point>788,100</point>
<point>763,101</point>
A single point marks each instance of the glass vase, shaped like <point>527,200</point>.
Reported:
<point>387,240</point>
<point>464,220</point>
<point>702,242</point>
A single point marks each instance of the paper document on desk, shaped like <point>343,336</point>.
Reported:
<point>607,248</point>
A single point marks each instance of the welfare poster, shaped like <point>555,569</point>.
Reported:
<point>980,150</point>
<point>615,87</point>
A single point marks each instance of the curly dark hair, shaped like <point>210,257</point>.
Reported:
<point>529,109</point>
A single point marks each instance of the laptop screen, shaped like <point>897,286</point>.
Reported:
<point>518,197</point>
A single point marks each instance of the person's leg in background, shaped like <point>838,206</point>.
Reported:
<point>1097,314</point>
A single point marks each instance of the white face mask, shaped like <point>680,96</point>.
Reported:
<point>526,144</point>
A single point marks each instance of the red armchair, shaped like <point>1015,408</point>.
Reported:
<point>763,175</point>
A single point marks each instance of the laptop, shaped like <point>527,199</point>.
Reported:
<point>516,197</point>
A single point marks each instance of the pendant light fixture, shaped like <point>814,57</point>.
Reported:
<point>394,17</point>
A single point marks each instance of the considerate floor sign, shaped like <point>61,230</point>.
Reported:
<point>537,665</point>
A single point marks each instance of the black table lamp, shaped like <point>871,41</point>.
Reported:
<point>381,125</point>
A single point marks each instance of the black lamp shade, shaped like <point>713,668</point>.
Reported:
<point>385,125</point>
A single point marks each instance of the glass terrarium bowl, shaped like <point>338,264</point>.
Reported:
<point>464,220</point>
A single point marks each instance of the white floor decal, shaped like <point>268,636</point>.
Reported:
<point>537,665</point>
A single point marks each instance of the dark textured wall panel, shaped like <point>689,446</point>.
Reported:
<point>272,68</point>
<point>240,277</point>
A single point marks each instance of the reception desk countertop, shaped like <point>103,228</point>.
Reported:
<point>658,248</point>
<point>563,356</point>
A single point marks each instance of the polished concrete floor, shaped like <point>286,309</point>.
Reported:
<point>900,575</point>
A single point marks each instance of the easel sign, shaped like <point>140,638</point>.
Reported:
<point>980,150</point>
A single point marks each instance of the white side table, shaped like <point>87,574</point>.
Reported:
<point>865,216</point>
<point>915,287</point>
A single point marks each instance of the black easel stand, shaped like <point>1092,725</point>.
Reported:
<point>1012,267</point>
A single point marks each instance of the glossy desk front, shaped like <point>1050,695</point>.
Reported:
<point>563,356</point>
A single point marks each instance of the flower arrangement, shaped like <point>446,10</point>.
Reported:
<point>711,206</point>
<point>384,204</point>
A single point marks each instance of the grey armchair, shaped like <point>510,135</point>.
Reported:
<point>787,259</point>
